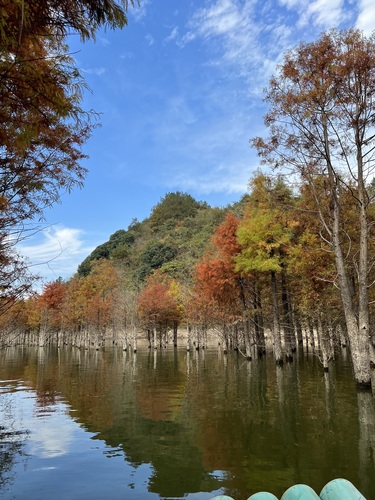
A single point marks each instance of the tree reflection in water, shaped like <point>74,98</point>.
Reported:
<point>366,443</point>
<point>12,441</point>
<point>171,423</point>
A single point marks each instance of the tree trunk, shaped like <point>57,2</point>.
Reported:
<point>134,339</point>
<point>276,322</point>
<point>357,330</point>
<point>324,342</point>
<point>247,341</point>
<point>188,340</point>
<point>175,329</point>
<point>288,329</point>
<point>258,319</point>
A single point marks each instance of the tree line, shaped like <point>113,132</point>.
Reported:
<point>262,276</point>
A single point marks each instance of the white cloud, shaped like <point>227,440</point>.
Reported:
<point>366,17</point>
<point>149,39</point>
<point>95,71</point>
<point>234,32</point>
<point>323,13</point>
<point>103,41</point>
<point>51,437</point>
<point>222,18</point>
<point>179,111</point>
<point>56,251</point>
<point>172,36</point>
<point>139,10</point>
<point>186,38</point>
<point>291,4</point>
<point>207,148</point>
<point>226,178</point>
<point>127,55</point>
<point>248,38</point>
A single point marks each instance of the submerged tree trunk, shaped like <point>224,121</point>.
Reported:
<point>358,329</point>
<point>247,341</point>
<point>258,321</point>
<point>175,330</point>
<point>188,339</point>
<point>43,330</point>
<point>245,318</point>
<point>288,329</point>
<point>324,343</point>
<point>134,338</point>
<point>276,322</point>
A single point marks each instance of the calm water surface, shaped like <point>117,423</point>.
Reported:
<point>169,424</point>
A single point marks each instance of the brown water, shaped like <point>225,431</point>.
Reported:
<point>169,424</point>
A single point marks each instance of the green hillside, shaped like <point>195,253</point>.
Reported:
<point>172,238</point>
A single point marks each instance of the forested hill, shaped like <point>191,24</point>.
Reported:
<point>173,238</point>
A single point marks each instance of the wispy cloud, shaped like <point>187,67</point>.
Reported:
<point>127,55</point>
<point>172,36</point>
<point>222,17</point>
<point>95,71</point>
<point>366,16</point>
<point>319,13</point>
<point>221,178</point>
<point>139,10</point>
<point>206,152</point>
<point>250,37</point>
<point>235,39</point>
<point>149,39</point>
<point>103,41</point>
<point>243,42</point>
<point>322,13</point>
<point>56,251</point>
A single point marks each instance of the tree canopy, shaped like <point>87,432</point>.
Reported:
<point>43,124</point>
<point>174,207</point>
<point>321,123</point>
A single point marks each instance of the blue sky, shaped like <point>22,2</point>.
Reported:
<point>180,92</point>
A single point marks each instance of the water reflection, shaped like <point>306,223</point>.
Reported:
<point>45,428</point>
<point>366,443</point>
<point>11,439</point>
<point>172,424</point>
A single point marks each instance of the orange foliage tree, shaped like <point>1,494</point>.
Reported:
<point>88,308</point>
<point>47,311</point>
<point>228,290</point>
<point>158,308</point>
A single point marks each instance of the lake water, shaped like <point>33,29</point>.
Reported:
<point>171,424</point>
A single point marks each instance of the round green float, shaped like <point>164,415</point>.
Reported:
<point>300,492</point>
<point>340,489</point>
<point>262,495</point>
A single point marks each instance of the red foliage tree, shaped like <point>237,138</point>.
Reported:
<point>215,275</point>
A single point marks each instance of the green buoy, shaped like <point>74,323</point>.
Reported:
<point>337,489</point>
<point>340,489</point>
<point>300,492</point>
<point>262,495</point>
